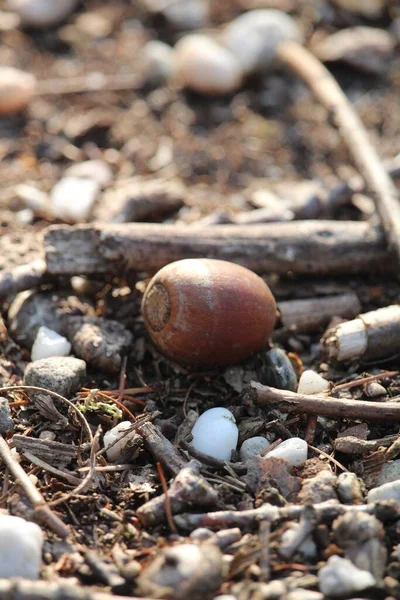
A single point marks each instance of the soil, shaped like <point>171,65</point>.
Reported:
<point>271,131</point>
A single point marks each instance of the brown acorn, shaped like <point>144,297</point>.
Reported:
<point>208,312</point>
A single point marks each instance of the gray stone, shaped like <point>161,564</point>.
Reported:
<point>341,578</point>
<point>6,422</point>
<point>387,491</point>
<point>61,374</point>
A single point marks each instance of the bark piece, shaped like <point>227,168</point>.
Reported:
<point>99,342</point>
<point>302,247</point>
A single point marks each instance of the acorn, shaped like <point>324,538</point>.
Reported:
<point>208,312</point>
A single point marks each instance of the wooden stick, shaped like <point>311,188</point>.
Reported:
<point>304,247</point>
<point>372,335</point>
<point>337,408</point>
<point>42,510</point>
<point>328,92</point>
<point>313,313</point>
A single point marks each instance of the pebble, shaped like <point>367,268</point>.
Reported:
<point>201,533</point>
<point>158,62</point>
<point>31,310</point>
<point>42,13</point>
<point>341,578</point>
<point>349,488</point>
<point>390,472</point>
<point>49,343</point>
<point>302,594</point>
<point>16,90</point>
<point>206,67</point>
<point>33,198</point>
<point>6,422</point>
<point>100,342</point>
<point>294,451</point>
<point>215,433</point>
<point>311,382</point>
<point>96,170</point>
<point>253,446</point>
<point>187,14</point>
<point>387,491</point>
<point>278,371</point>
<point>61,374</point>
<point>185,570</point>
<point>72,199</point>
<point>114,451</point>
<point>367,8</point>
<point>254,36</point>
<point>20,548</point>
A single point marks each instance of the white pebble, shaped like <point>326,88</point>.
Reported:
<point>387,491</point>
<point>390,472</point>
<point>215,433</point>
<point>42,13</point>
<point>253,446</point>
<point>254,36</point>
<point>98,170</point>
<point>312,383</point>
<point>20,548</point>
<point>206,67</point>
<point>49,343</point>
<point>293,450</point>
<point>158,61</point>
<point>72,199</point>
<point>33,198</point>
<point>16,90</point>
<point>308,548</point>
<point>114,451</point>
<point>341,578</point>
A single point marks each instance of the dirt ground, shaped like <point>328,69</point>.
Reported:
<point>271,131</point>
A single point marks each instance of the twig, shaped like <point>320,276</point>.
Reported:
<point>328,92</point>
<point>189,488</point>
<point>41,508</point>
<point>92,82</point>
<point>363,380</point>
<point>50,469</point>
<point>300,247</point>
<point>337,408</point>
<point>166,499</point>
<point>23,277</point>
<point>161,448</point>
<point>307,524</point>
<point>372,335</point>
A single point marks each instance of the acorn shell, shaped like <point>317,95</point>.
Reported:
<point>208,312</point>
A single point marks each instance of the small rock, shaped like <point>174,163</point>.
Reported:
<point>31,310</point>
<point>201,533</point>
<point>116,442</point>
<point>253,446</point>
<point>278,371</point>
<point>387,491</point>
<point>187,14</point>
<point>253,37</point>
<point>374,390</point>
<point>294,451</point>
<point>100,342</point>
<point>6,422</point>
<point>97,170</point>
<point>42,13</point>
<point>20,548</point>
<point>73,198</point>
<point>371,9</point>
<point>188,571</point>
<point>206,67</point>
<point>301,594</point>
<point>312,383</point>
<point>63,375</point>
<point>320,488</point>
<point>215,433</point>
<point>349,489</point>
<point>390,472</point>
<point>33,198</point>
<point>341,578</point>
<point>16,90</point>
<point>158,62</point>
<point>49,343</point>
